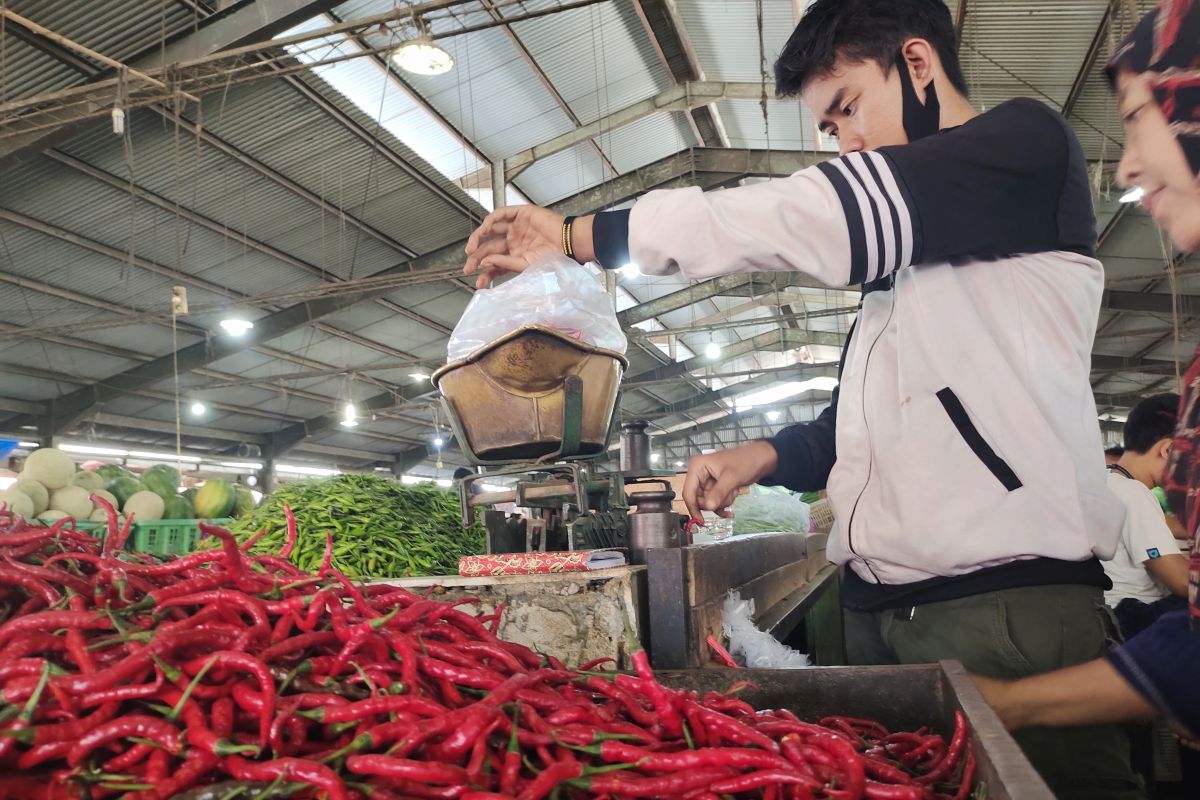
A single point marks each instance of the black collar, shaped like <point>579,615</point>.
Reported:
<point>1122,470</point>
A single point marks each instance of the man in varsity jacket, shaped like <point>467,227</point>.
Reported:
<point>962,452</point>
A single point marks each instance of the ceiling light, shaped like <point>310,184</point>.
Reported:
<point>423,56</point>
<point>438,442</point>
<point>92,451</point>
<point>349,423</point>
<point>712,351</point>
<point>242,464</point>
<point>28,444</point>
<point>320,472</point>
<point>774,415</point>
<point>235,326</point>
<point>419,376</point>
<point>655,456</point>
<point>678,464</point>
<point>1133,195</point>
<point>630,270</point>
<point>198,409</point>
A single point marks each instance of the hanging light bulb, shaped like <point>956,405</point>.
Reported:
<point>774,416</point>
<point>438,441</point>
<point>198,409</point>
<point>235,326</point>
<point>351,416</point>
<point>712,351</point>
<point>423,56</point>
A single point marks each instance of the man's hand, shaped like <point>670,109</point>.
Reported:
<point>713,481</point>
<point>510,239</point>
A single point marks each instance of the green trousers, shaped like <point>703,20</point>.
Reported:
<point>1011,634</point>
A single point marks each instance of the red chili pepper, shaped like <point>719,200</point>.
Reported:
<point>288,769</point>
<point>407,769</point>
<point>159,731</point>
<point>722,655</point>
<point>628,784</point>
<point>549,778</point>
<point>252,607</point>
<point>742,758</point>
<point>290,546</point>
<point>968,778</point>
<point>886,791</point>
<point>30,583</point>
<point>727,728</point>
<point>848,761</point>
<point>253,540</point>
<point>958,743</point>
<point>757,780</point>
<point>856,724</point>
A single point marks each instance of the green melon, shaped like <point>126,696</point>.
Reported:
<point>243,502</point>
<point>178,507</point>
<point>215,499</point>
<point>163,480</point>
<point>37,493</point>
<point>88,480</point>
<point>125,488</point>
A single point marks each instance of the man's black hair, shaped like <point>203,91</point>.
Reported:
<point>1151,421</point>
<point>463,472</point>
<point>1116,451</point>
<point>864,30</point>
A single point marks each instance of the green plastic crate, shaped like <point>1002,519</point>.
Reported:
<point>164,537</point>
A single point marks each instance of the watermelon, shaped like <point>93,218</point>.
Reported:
<point>163,480</point>
<point>178,507</point>
<point>125,488</point>
<point>243,502</point>
<point>215,499</point>
<point>111,472</point>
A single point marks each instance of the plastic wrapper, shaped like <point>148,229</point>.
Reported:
<point>555,292</point>
<point>769,509</point>
<point>756,649</point>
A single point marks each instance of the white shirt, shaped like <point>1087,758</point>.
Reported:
<point>1144,537</point>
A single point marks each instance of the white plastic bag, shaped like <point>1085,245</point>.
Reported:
<point>758,649</point>
<point>769,509</point>
<point>556,292</point>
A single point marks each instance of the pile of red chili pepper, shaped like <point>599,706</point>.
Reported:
<point>223,674</point>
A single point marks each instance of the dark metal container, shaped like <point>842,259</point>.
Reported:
<point>901,697</point>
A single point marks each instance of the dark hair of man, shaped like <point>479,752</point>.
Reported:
<point>1151,421</point>
<point>463,472</point>
<point>1116,451</point>
<point>864,30</point>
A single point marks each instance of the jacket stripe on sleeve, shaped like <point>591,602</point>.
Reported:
<point>854,220</point>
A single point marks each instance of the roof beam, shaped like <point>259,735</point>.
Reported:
<point>1151,302</point>
<point>783,339</point>
<point>253,21</point>
<point>663,22</point>
<point>681,97</point>
<point>1089,59</point>
<point>764,379</point>
<point>732,421</point>
<point>1150,366</point>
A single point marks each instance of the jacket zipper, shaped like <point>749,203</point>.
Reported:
<point>867,426</point>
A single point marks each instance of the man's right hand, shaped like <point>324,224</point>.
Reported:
<point>714,480</point>
<point>511,238</point>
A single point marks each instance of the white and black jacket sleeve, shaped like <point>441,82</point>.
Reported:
<point>1003,183</point>
<point>1012,180</point>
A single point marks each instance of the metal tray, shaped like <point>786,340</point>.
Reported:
<point>900,697</point>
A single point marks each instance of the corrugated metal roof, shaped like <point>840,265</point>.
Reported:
<point>124,29</point>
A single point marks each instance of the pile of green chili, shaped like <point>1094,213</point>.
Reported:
<point>381,528</point>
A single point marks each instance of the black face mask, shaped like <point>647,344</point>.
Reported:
<point>920,120</point>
